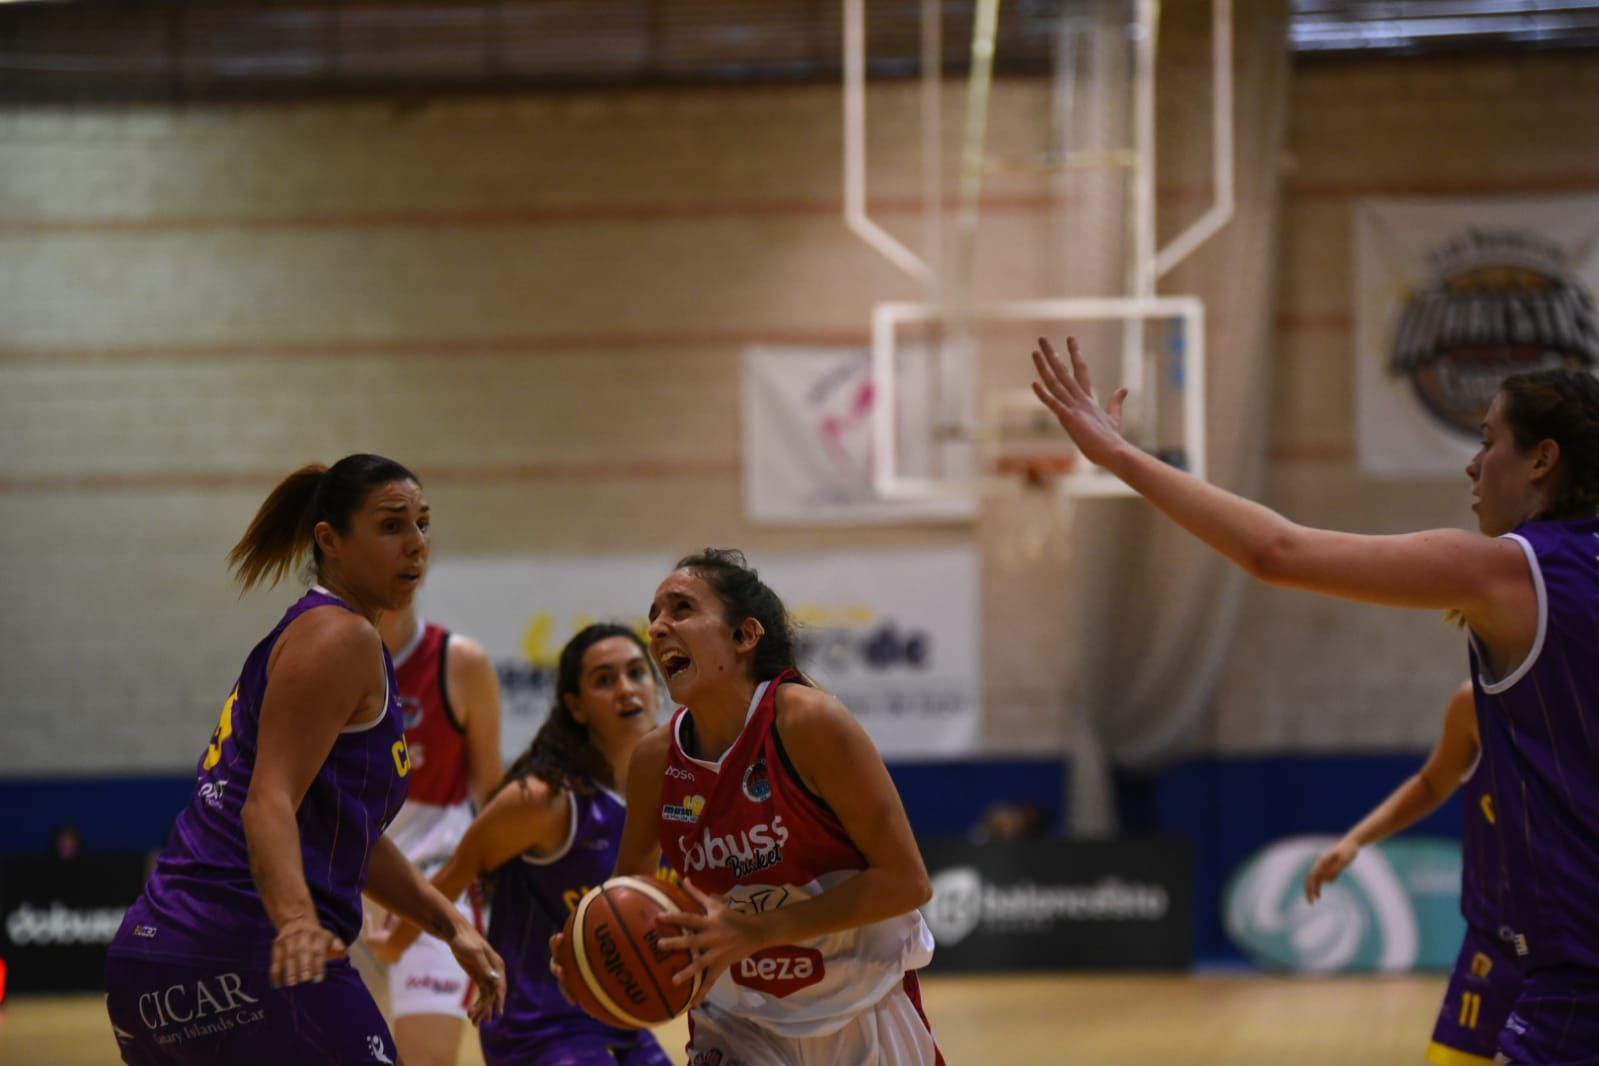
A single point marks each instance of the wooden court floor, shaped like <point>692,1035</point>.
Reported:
<point>1248,1020</point>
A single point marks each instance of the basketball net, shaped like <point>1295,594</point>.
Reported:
<point>1032,510</point>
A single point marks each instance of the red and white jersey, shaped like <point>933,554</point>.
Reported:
<point>437,810</point>
<point>744,827</point>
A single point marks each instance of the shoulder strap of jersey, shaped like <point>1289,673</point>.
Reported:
<point>444,679</point>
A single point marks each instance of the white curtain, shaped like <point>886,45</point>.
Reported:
<point>1154,611</point>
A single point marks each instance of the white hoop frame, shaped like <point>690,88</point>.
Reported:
<point>887,480</point>
<point>1147,262</point>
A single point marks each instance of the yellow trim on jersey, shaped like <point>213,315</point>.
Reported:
<point>1440,1055</point>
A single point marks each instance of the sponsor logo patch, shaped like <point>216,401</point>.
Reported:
<point>757,783</point>
<point>757,848</point>
<point>780,971</point>
<point>688,811</point>
<point>375,1048</point>
<point>435,984</point>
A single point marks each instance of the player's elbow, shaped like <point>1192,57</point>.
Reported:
<point>260,810</point>
<point>1277,560</point>
<point>918,888</point>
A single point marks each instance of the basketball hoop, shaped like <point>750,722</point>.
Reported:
<point>1032,509</point>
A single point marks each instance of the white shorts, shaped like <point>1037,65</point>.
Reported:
<point>893,1032</point>
<point>427,979</point>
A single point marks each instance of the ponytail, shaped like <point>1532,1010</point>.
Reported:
<point>282,530</point>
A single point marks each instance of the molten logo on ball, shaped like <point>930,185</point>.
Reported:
<point>611,958</point>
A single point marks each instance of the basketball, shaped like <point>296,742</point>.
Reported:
<point>613,967</point>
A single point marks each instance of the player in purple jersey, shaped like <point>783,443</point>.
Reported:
<point>549,835</point>
<point>1486,977</point>
<point>1528,593</point>
<point>234,953</point>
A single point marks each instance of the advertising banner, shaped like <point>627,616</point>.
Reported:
<point>808,438</point>
<point>894,635</point>
<point>1061,905</point>
<point>58,916</point>
<point>1453,296</point>
<point>1395,909</point>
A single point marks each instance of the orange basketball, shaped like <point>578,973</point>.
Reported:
<point>614,968</point>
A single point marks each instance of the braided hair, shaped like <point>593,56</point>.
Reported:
<point>1563,406</point>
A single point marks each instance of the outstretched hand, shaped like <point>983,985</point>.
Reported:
<point>1068,392</point>
<point>716,939</point>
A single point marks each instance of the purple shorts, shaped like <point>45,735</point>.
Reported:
<point>172,1013</point>
<point>1555,1020</point>
<point>1485,983</point>
<point>576,1049</point>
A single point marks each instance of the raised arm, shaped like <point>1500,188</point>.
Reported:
<point>1485,578</point>
<point>1421,793</point>
<point>475,695</point>
<point>836,760</point>
<point>325,673</point>
<point>527,816</point>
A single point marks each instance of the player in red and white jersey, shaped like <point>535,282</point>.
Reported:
<point>451,697</point>
<point>773,804</point>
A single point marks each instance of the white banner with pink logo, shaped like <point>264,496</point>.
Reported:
<point>895,635</point>
<point>1453,296</point>
<point>807,439</point>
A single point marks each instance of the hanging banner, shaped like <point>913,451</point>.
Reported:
<point>1453,296</point>
<point>808,435</point>
<point>1396,908</point>
<point>1059,905</point>
<point>893,635</point>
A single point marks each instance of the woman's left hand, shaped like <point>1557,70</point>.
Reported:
<point>486,969</point>
<point>716,939</point>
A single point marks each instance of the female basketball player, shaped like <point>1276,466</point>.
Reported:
<point>546,838</point>
<point>1529,595</point>
<point>234,952</point>
<point>451,697</point>
<point>771,802</point>
<point>1486,978</point>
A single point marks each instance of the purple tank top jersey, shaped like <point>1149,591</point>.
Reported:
<point>1479,845</point>
<point>201,901</point>
<point>1540,750</point>
<point>531,901</point>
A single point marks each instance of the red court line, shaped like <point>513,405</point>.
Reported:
<point>1309,189</point>
<point>522,473</point>
<point>529,216</point>
<point>516,344</point>
<point>494,217</point>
